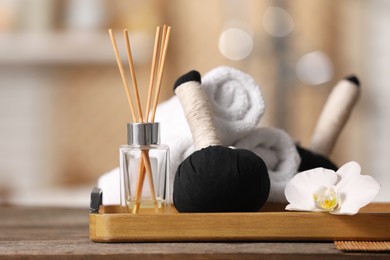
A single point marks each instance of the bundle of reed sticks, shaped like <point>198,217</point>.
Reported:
<point>156,74</point>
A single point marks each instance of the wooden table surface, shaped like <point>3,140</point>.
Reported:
<point>61,233</point>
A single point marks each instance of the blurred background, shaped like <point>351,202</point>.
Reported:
<point>63,110</point>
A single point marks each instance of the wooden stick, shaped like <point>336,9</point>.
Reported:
<point>140,184</point>
<point>148,169</point>
<point>150,92</point>
<point>152,73</point>
<point>132,73</point>
<point>144,167</point>
<point>160,73</point>
<point>151,83</point>
<point>159,68</point>
<point>125,83</point>
<point>164,36</point>
<point>145,160</point>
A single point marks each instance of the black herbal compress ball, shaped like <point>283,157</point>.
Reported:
<point>311,160</point>
<point>221,179</point>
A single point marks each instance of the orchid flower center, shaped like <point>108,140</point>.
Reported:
<point>328,199</point>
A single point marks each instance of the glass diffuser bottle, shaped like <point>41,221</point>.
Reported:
<point>144,170</point>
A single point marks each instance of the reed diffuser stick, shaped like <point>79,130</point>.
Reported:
<point>123,76</point>
<point>132,73</point>
<point>144,163</point>
<point>145,157</point>
<point>160,72</point>
<point>144,166</point>
<point>152,72</point>
<point>150,92</point>
<point>164,35</point>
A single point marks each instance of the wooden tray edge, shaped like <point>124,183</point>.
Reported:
<point>262,226</point>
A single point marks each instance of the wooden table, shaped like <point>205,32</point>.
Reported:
<point>60,233</point>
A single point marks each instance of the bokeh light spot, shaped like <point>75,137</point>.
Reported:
<point>314,68</point>
<point>235,44</point>
<point>277,22</point>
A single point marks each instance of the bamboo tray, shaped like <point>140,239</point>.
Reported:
<point>271,224</point>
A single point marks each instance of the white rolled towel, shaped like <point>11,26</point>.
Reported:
<point>236,100</point>
<point>237,104</point>
<point>278,151</point>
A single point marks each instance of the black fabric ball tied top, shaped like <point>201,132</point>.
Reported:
<point>331,122</point>
<point>215,178</point>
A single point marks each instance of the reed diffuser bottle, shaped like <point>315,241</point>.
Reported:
<point>144,163</point>
<point>144,160</point>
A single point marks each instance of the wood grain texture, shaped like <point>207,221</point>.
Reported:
<point>261,226</point>
<point>62,233</point>
<point>363,245</point>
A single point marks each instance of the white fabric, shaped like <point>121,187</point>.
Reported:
<point>110,185</point>
<point>279,153</point>
<point>237,102</point>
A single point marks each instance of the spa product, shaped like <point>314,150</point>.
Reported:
<point>332,120</point>
<point>214,178</point>
<point>335,115</point>
<point>144,155</point>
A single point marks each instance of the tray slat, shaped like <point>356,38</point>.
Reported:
<point>261,226</point>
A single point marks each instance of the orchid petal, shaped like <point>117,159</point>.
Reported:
<point>348,172</point>
<point>293,207</point>
<point>357,193</point>
<point>299,191</point>
<point>299,199</point>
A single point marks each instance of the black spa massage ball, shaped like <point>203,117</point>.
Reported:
<point>221,179</point>
<point>311,160</point>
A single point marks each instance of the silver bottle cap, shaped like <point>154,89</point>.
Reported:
<point>143,133</point>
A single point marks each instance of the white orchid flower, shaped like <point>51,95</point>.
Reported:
<point>343,192</point>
